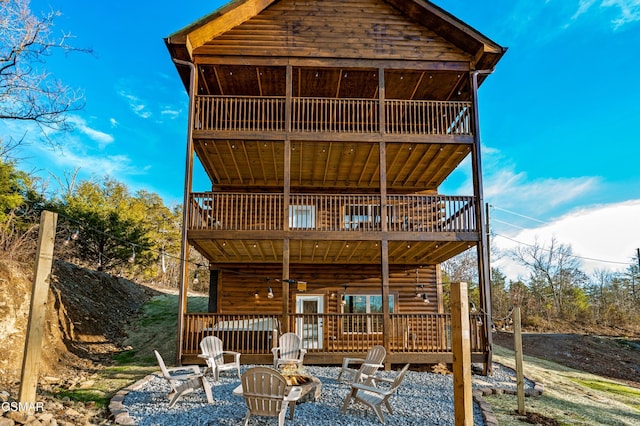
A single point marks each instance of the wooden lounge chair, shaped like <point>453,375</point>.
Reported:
<point>367,367</point>
<point>213,353</point>
<point>374,397</point>
<point>265,393</point>
<point>288,351</point>
<point>183,380</point>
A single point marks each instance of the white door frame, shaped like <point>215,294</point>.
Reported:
<point>311,333</point>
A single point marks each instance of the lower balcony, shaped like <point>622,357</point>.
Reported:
<point>235,228</point>
<point>331,212</point>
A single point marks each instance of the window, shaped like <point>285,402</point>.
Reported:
<point>302,216</point>
<point>364,304</point>
<point>364,216</point>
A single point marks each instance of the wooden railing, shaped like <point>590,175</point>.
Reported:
<point>345,115</point>
<point>335,115</point>
<point>330,333</point>
<point>245,333</point>
<point>428,117</point>
<point>331,212</point>
<point>239,113</point>
<point>236,211</point>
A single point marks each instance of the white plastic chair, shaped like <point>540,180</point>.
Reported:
<point>375,397</point>
<point>288,351</point>
<point>265,393</point>
<point>367,367</point>
<point>214,354</point>
<point>183,380</point>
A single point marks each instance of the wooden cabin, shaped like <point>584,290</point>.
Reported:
<point>326,129</point>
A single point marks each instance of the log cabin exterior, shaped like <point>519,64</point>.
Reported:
<point>326,129</point>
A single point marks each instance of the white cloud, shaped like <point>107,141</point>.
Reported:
<point>136,104</point>
<point>170,112</point>
<point>509,188</point>
<point>114,122</point>
<point>624,11</point>
<point>80,124</point>
<point>514,190</point>
<point>603,237</point>
<point>629,11</point>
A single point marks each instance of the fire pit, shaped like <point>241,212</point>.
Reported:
<point>296,376</point>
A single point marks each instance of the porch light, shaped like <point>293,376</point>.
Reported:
<point>256,294</point>
<point>343,300</point>
<point>195,277</point>
<point>270,293</point>
<point>425,298</point>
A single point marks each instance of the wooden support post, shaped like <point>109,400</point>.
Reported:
<point>386,318</point>
<point>461,345</point>
<point>213,291</point>
<point>517,347</point>
<point>285,288</point>
<point>38,308</point>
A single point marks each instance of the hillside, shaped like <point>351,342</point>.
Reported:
<point>88,313</point>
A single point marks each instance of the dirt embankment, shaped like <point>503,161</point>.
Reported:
<point>86,318</point>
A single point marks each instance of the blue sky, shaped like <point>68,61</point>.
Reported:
<point>561,153</point>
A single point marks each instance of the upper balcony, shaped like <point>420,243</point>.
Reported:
<point>220,116</point>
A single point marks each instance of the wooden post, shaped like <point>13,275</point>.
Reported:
<point>386,318</point>
<point>517,346</point>
<point>38,308</point>
<point>284,328</point>
<point>461,345</point>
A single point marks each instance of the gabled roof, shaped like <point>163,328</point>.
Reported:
<point>210,26</point>
<point>485,52</point>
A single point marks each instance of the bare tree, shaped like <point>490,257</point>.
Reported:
<point>555,271</point>
<point>28,92</point>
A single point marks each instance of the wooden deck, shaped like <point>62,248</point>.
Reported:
<point>225,211</point>
<point>419,338</point>
<point>331,115</point>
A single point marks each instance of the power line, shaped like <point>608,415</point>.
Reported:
<point>573,255</point>
<point>546,223</point>
<point>126,242</point>
<point>518,214</point>
<point>508,224</point>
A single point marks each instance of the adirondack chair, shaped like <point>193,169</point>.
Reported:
<point>183,380</point>
<point>288,351</point>
<point>213,353</point>
<point>374,397</point>
<point>265,393</point>
<point>367,366</point>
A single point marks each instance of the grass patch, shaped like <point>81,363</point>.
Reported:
<point>622,392</point>
<point>124,357</point>
<point>100,398</point>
